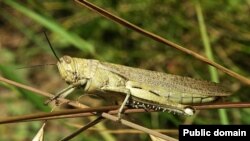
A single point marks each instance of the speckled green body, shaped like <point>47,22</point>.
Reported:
<point>148,89</point>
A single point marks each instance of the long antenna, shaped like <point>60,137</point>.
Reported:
<point>51,46</point>
<point>35,66</point>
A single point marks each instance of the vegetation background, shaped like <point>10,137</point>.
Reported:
<point>76,31</point>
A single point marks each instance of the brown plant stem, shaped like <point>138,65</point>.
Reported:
<point>160,39</point>
<point>90,124</point>
<point>79,105</point>
<point>73,113</point>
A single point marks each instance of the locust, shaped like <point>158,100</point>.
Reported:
<point>135,87</point>
<point>138,88</point>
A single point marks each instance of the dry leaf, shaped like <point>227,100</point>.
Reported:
<point>40,133</point>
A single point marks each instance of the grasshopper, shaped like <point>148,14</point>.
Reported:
<point>136,87</point>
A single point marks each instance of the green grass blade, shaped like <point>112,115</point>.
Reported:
<point>53,26</point>
<point>36,100</point>
<point>213,72</point>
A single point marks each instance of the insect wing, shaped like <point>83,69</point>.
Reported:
<point>163,83</point>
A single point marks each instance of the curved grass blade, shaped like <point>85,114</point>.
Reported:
<point>53,26</point>
<point>36,100</point>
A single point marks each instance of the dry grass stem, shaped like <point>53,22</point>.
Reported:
<point>160,39</point>
<point>79,105</point>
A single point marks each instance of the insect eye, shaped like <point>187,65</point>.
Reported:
<point>67,59</point>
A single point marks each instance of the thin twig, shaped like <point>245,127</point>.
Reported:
<point>72,103</point>
<point>56,113</point>
<point>138,127</point>
<point>74,113</point>
<point>160,39</point>
<point>223,105</point>
<point>79,105</point>
<point>90,124</point>
<point>127,131</point>
<point>127,123</point>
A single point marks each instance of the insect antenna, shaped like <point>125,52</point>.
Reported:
<point>36,66</point>
<point>51,46</point>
